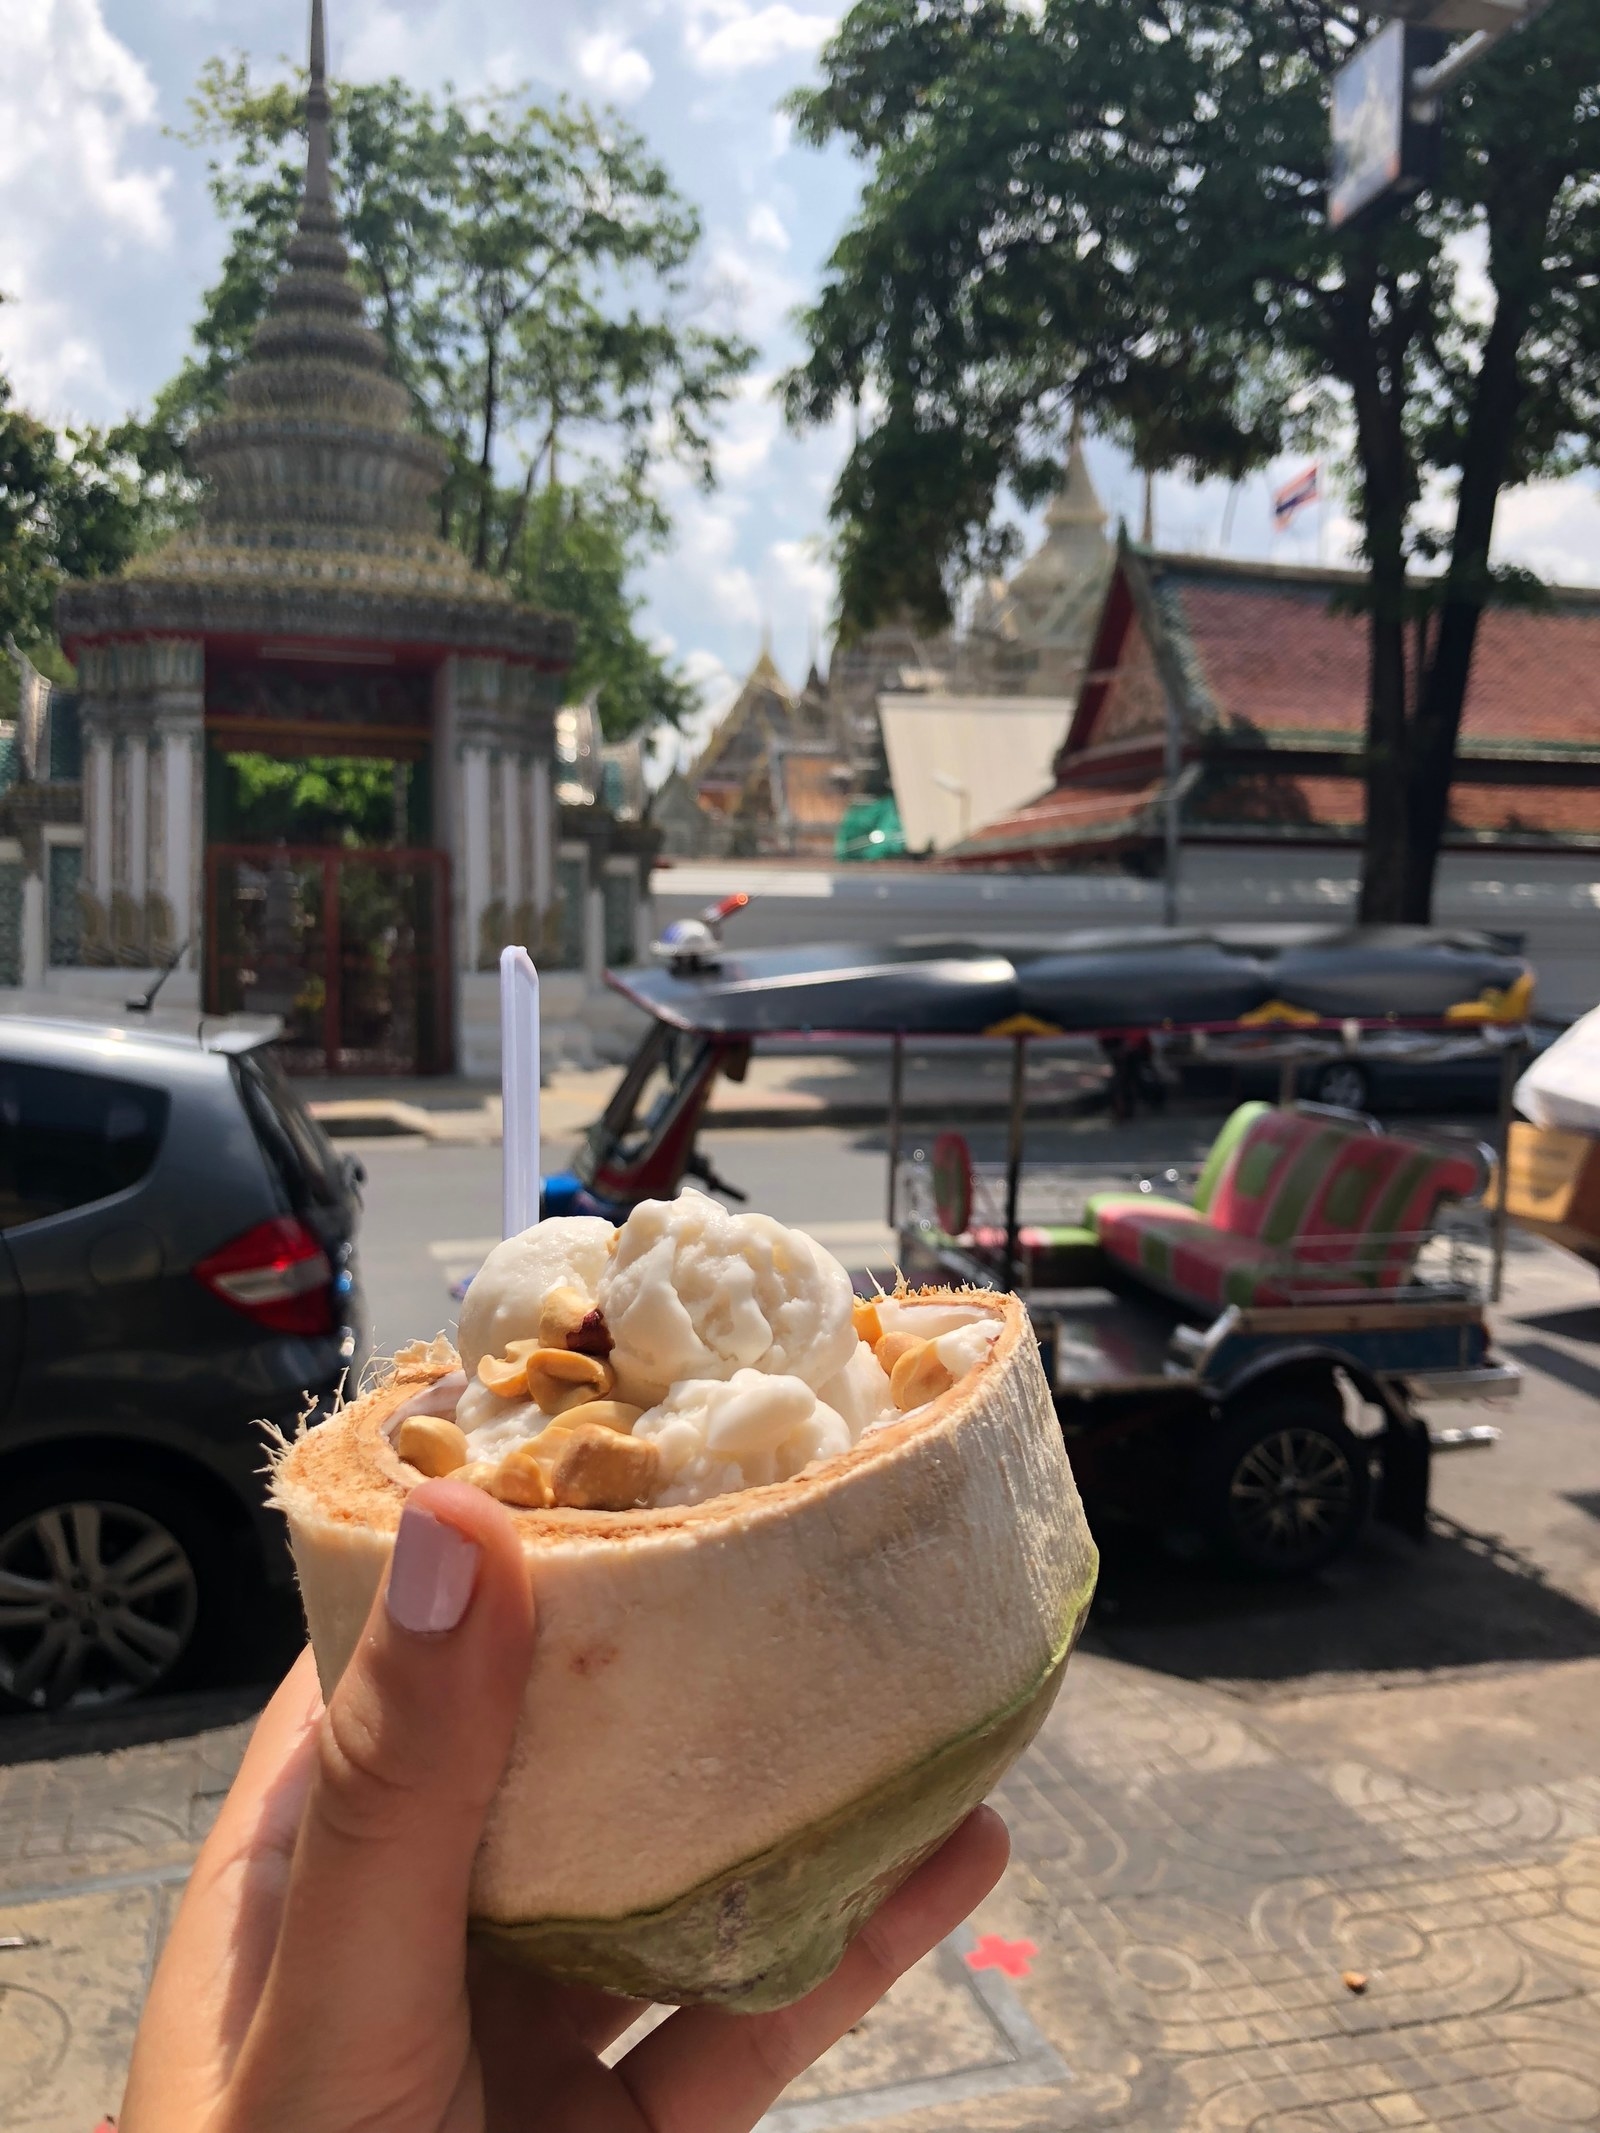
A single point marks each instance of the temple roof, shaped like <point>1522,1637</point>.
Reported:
<point>1266,669</point>
<point>1068,570</point>
<point>320,513</point>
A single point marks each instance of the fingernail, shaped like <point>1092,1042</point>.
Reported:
<point>432,1575</point>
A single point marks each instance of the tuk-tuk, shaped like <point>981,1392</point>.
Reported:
<point>1246,1353</point>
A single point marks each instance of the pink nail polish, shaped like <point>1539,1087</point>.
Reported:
<point>432,1575</point>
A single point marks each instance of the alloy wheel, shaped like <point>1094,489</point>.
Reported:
<point>98,1602</point>
<point>1291,1492</point>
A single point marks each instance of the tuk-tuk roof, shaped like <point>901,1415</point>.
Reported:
<point>1098,982</point>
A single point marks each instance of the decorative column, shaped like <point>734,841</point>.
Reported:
<point>514,880</point>
<point>176,877</point>
<point>172,887</point>
<point>94,891</point>
<point>541,841</point>
<point>143,731</point>
<point>469,738</point>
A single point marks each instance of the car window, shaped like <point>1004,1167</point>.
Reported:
<point>68,1139</point>
<point>301,1154</point>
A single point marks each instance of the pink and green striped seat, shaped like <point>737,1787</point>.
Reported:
<point>1302,1205</point>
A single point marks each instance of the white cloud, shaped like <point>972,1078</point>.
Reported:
<point>764,226</point>
<point>78,186</point>
<point>718,687</point>
<point>478,50</point>
<point>805,576</point>
<point>614,67</point>
<point>727,37</point>
<point>1552,528</point>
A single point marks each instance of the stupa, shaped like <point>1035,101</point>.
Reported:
<point>314,610</point>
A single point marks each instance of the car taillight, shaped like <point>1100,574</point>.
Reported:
<point>277,1274</point>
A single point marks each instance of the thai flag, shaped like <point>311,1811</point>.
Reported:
<point>1294,496</point>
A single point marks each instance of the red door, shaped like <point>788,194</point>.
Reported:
<point>350,947</point>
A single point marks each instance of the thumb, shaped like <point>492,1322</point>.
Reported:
<point>409,1754</point>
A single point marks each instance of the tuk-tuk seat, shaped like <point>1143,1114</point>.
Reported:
<point>1218,1157</point>
<point>1303,1203</point>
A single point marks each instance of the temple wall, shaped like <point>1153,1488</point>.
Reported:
<point>141,888</point>
<point>1551,899</point>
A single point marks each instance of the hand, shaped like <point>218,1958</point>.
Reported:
<point>318,1976</point>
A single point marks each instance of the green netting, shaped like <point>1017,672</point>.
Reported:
<point>870,830</point>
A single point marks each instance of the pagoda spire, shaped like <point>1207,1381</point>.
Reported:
<point>317,206</point>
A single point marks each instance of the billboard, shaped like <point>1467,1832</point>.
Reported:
<point>1383,153</point>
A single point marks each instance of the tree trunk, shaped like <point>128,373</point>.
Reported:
<point>1381,445</point>
<point>516,522</point>
<point>1442,696</point>
<point>491,416</point>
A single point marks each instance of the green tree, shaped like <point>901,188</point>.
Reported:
<point>1119,205</point>
<point>531,269</point>
<point>73,504</point>
<point>575,553</point>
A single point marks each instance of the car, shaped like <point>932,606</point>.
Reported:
<point>1402,1072</point>
<point>177,1268</point>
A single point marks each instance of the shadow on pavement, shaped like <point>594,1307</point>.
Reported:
<point>1461,1599</point>
<point>1556,1363</point>
<point>1575,1323</point>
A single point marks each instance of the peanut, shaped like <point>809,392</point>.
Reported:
<point>868,1325</point>
<point>598,1470</point>
<point>479,1473</point>
<point>506,1375</point>
<point>894,1345</point>
<point>562,1312</point>
<point>431,1444</point>
<point>610,1414</point>
<point>559,1378</point>
<point>920,1375</point>
<point>520,1479</point>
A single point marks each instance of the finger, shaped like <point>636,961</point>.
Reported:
<point>408,1756</point>
<point>511,2006</point>
<point>279,1737</point>
<point>709,2071</point>
<point>221,1943</point>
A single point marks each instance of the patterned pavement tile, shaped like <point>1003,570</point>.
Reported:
<point>1196,1894</point>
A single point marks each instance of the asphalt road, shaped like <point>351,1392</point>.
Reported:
<point>431,1211</point>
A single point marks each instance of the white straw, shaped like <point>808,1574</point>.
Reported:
<point>519,1090</point>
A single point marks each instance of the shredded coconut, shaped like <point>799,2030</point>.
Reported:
<point>694,1292</point>
<point>718,1435</point>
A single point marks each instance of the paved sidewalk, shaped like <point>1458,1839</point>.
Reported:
<point>951,1085</point>
<point>1193,1881</point>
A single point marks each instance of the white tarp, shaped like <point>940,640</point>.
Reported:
<point>1561,1089</point>
<point>959,762</point>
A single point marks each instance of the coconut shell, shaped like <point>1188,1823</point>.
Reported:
<point>746,1719</point>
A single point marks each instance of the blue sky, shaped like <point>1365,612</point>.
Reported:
<point>107,239</point>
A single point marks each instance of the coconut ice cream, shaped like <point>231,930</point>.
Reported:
<point>807,1569</point>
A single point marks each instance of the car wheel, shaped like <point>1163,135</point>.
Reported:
<point>1343,1084</point>
<point>1285,1487</point>
<point>111,1585</point>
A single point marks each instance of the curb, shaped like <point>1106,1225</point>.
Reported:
<point>391,1119</point>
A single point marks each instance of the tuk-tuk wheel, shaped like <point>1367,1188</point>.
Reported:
<point>1284,1487</point>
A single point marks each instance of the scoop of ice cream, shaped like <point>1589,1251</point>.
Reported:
<point>694,1292</point>
<point>718,1435</point>
<point>502,1303</point>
